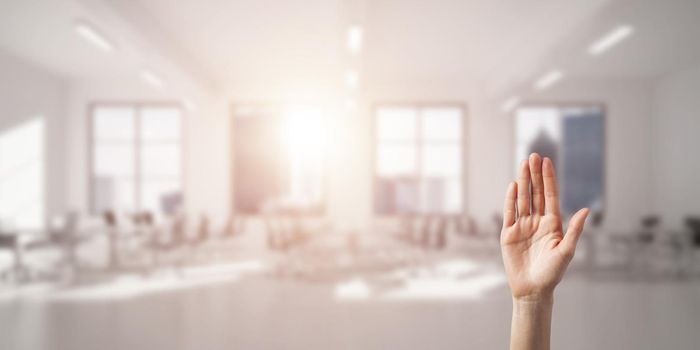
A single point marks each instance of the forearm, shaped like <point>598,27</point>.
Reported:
<point>531,324</point>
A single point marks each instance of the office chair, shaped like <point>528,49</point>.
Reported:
<point>649,227</point>
<point>234,227</point>
<point>174,243</point>
<point>9,241</point>
<point>201,238</point>
<point>271,233</point>
<point>202,231</point>
<point>406,227</point>
<point>692,223</point>
<point>67,237</point>
<point>441,233</point>
<point>425,232</point>
<point>112,231</point>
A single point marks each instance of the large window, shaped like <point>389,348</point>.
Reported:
<point>136,158</point>
<point>279,158</point>
<point>22,175</point>
<point>573,137</point>
<point>418,159</point>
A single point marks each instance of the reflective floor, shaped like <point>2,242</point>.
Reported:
<point>445,302</point>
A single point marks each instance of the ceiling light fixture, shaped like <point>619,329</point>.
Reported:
<point>510,104</point>
<point>350,103</point>
<point>352,79</point>
<point>549,79</point>
<point>611,39</point>
<point>355,39</point>
<point>93,36</point>
<point>152,79</point>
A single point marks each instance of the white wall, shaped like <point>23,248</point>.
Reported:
<point>489,139</point>
<point>676,143</point>
<point>27,92</point>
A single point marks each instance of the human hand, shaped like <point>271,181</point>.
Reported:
<point>535,250</point>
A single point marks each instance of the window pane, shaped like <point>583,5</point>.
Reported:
<point>397,195</point>
<point>441,124</point>
<point>113,193</point>
<point>537,130</point>
<point>439,195</point>
<point>160,160</point>
<point>114,160</point>
<point>396,123</point>
<point>114,123</point>
<point>22,173</point>
<point>20,145</point>
<point>396,160</point>
<point>563,134</point>
<point>21,196</point>
<point>419,161</point>
<point>161,123</point>
<point>441,160</point>
<point>157,196</point>
<point>117,132</point>
<point>583,142</point>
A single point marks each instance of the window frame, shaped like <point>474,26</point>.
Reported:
<point>418,106</point>
<point>561,105</point>
<point>137,106</point>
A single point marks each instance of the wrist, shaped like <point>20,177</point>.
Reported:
<point>533,304</point>
<point>536,298</point>
<point>533,301</point>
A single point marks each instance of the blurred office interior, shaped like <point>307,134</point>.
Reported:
<point>315,174</point>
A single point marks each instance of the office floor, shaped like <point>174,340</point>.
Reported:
<point>243,305</point>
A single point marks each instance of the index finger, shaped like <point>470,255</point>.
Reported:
<point>509,205</point>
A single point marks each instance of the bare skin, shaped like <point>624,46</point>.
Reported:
<point>535,250</point>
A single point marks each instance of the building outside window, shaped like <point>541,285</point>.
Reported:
<point>573,137</point>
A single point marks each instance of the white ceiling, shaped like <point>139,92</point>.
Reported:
<point>665,40</point>
<point>42,31</point>
<point>300,42</point>
<point>470,39</point>
<point>238,40</point>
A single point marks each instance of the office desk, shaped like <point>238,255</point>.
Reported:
<point>16,241</point>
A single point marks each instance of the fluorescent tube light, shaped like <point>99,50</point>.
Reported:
<point>611,39</point>
<point>355,39</point>
<point>152,79</point>
<point>549,79</point>
<point>352,79</point>
<point>93,36</point>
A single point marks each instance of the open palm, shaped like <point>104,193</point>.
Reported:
<point>535,250</point>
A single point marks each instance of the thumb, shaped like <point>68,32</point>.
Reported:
<point>573,232</point>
